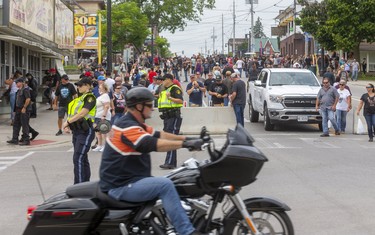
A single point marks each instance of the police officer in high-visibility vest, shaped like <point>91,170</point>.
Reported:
<point>81,114</point>
<point>169,103</point>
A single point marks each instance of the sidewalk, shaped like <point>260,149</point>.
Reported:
<point>45,124</point>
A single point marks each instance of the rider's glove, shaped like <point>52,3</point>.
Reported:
<point>191,138</point>
<point>193,145</point>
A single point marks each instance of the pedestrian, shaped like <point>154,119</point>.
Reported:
<point>66,60</point>
<point>207,85</point>
<point>240,65</point>
<point>368,102</point>
<point>103,106</point>
<point>33,84</point>
<point>125,169</point>
<point>228,83</point>
<point>81,113</point>
<point>64,94</point>
<point>238,98</point>
<point>118,103</point>
<point>326,101</point>
<point>22,109</point>
<point>169,103</point>
<point>343,106</point>
<point>195,90</point>
<point>364,66</point>
<point>12,90</point>
<point>355,69</point>
<point>329,74</point>
<point>218,92</point>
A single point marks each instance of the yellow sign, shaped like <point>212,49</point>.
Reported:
<point>86,31</point>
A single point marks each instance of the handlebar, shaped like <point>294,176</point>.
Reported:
<point>209,144</point>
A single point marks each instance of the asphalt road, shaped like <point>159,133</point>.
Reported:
<point>327,182</point>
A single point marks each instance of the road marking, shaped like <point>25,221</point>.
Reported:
<point>319,143</point>
<point>7,161</point>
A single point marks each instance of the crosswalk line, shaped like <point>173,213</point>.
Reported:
<point>7,161</point>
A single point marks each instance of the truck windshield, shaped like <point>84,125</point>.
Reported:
<point>292,78</point>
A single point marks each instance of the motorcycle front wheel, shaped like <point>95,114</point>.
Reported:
<point>267,222</point>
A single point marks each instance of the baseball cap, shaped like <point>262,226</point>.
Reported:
<point>65,77</point>
<point>158,78</point>
<point>19,80</point>
<point>87,74</point>
<point>233,75</point>
<point>218,78</point>
<point>51,70</point>
<point>168,76</point>
<point>84,81</point>
<point>101,78</point>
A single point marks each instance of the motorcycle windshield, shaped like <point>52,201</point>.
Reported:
<point>239,136</point>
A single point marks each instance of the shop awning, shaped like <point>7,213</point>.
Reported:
<point>35,46</point>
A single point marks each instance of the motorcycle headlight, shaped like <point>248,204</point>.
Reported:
<point>276,98</point>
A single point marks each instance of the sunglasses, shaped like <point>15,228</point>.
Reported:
<point>118,88</point>
<point>342,84</point>
<point>325,82</point>
<point>369,87</point>
<point>149,105</point>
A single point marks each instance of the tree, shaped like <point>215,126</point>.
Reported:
<point>162,45</point>
<point>129,25</point>
<point>258,29</point>
<point>173,14</point>
<point>340,24</point>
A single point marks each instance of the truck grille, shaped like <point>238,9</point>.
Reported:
<point>299,102</point>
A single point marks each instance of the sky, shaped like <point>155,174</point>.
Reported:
<point>197,36</point>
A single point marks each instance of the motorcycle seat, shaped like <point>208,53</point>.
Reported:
<point>92,190</point>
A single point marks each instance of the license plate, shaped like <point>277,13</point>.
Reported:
<point>303,118</point>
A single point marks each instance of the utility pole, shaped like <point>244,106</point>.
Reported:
<point>222,33</point>
<point>234,29</point>
<point>205,47</point>
<point>213,40</point>
<point>252,26</point>
<point>109,36</point>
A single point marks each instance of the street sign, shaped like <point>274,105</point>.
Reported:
<point>249,1</point>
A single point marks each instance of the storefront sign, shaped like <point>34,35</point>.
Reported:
<point>86,31</point>
<point>35,16</point>
<point>63,26</point>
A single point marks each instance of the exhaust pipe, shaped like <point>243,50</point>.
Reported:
<point>123,229</point>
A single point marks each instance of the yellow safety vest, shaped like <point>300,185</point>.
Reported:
<point>76,105</point>
<point>164,102</point>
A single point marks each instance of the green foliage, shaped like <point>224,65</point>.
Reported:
<point>162,45</point>
<point>129,25</point>
<point>339,24</point>
<point>258,29</point>
<point>173,14</point>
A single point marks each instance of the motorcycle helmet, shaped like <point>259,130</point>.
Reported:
<point>138,95</point>
<point>103,127</point>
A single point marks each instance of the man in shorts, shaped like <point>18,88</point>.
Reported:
<point>65,93</point>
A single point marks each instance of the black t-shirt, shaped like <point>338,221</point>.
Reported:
<point>221,89</point>
<point>369,104</point>
<point>239,87</point>
<point>208,83</point>
<point>21,96</point>
<point>65,94</point>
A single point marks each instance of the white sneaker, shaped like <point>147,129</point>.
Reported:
<point>102,149</point>
<point>98,148</point>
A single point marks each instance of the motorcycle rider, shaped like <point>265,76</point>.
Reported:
<point>125,170</point>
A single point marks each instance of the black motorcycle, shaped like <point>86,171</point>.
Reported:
<point>203,187</point>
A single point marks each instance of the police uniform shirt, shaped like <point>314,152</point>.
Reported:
<point>176,92</point>
<point>89,102</point>
<point>21,96</point>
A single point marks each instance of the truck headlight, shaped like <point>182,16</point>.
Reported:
<point>276,98</point>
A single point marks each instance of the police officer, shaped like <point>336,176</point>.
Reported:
<point>81,113</point>
<point>169,104</point>
<point>22,111</point>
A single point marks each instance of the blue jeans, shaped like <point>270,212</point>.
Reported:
<point>370,120</point>
<point>226,101</point>
<point>239,112</point>
<point>354,75</point>
<point>240,70</point>
<point>12,101</point>
<point>341,119</point>
<point>328,114</point>
<point>186,75</point>
<point>115,117</point>
<point>151,188</point>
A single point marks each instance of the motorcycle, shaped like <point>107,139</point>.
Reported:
<point>203,187</point>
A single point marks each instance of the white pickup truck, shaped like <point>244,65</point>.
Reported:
<point>284,95</point>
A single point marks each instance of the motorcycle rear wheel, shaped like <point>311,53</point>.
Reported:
<point>267,222</point>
